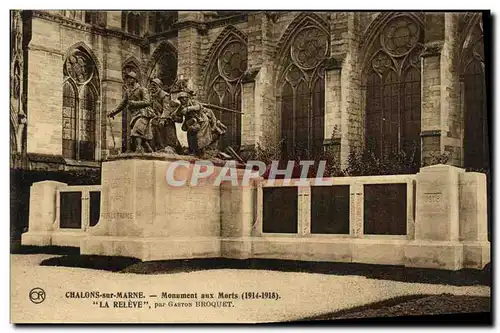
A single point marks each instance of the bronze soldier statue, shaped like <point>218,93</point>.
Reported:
<point>139,105</point>
<point>163,125</point>
<point>202,127</point>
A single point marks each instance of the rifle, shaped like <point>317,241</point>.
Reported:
<point>209,106</point>
<point>220,108</point>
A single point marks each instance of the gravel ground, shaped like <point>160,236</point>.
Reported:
<point>463,277</point>
<point>419,305</point>
<point>302,295</point>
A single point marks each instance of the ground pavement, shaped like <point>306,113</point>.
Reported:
<point>301,294</point>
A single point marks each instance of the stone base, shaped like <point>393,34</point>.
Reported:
<point>236,248</point>
<point>335,249</point>
<point>440,255</point>
<point>379,251</point>
<point>37,238</point>
<point>476,254</point>
<point>152,248</point>
<point>68,237</point>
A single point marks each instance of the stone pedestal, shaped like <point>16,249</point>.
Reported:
<point>144,217</point>
<point>474,220</point>
<point>42,213</point>
<point>237,220</point>
<point>449,226</point>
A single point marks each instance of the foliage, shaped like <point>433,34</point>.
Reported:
<point>434,158</point>
<point>360,162</point>
<point>266,154</point>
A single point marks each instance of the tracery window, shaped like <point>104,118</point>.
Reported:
<point>476,146</point>
<point>131,22</point>
<point>302,93</point>
<point>164,20</point>
<point>393,93</point>
<point>95,17</point>
<point>224,88</point>
<point>80,106</point>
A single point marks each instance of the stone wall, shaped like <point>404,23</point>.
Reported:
<point>442,224</point>
<point>196,36</point>
<point>52,39</point>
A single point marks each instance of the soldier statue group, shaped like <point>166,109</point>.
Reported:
<point>154,114</point>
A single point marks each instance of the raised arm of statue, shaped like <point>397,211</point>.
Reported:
<point>120,106</point>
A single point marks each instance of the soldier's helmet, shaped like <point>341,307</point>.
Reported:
<point>157,81</point>
<point>182,94</point>
<point>132,75</point>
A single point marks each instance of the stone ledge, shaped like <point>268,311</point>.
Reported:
<point>434,254</point>
<point>46,158</point>
<point>68,237</point>
<point>430,133</point>
<point>331,142</point>
<point>158,156</point>
<point>152,248</point>
<point>37,238</point>
<point>476,254</point>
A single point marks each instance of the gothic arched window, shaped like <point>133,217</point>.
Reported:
<point>80,106</point>
<point>302,93</point>
<point>393,84</point>
<point>70,98</point>
<point>133,23</point>
<point>224,87</point>
<point>87,123</point>
<point>476,146</point>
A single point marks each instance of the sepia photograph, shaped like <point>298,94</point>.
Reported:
<point>250,166</point>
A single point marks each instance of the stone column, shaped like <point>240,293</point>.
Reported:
<point>188,48</point>
<point>431,86</point>
<point>474,219</point>
<point>351,113</point>
<point>44,93</point>
<point>112,93</point>
<point>238,218</point>
<point>450,91</point>
<point>437,228</point>
<point>42,213</point>
<point>304,210</point>
<point>260,123</point>
<point>332,109</point>
<point>356,210</point>
<point>251,114</point>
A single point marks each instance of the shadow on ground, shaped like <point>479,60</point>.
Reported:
<point>464,277</point>
<point>61,250</point>
<point>411,307</point>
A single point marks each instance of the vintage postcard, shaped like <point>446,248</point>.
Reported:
<point>250,166</point>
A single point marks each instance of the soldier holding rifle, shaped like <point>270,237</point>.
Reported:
<point>202,127</point>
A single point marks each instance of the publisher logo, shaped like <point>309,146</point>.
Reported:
<point>37,295</point>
